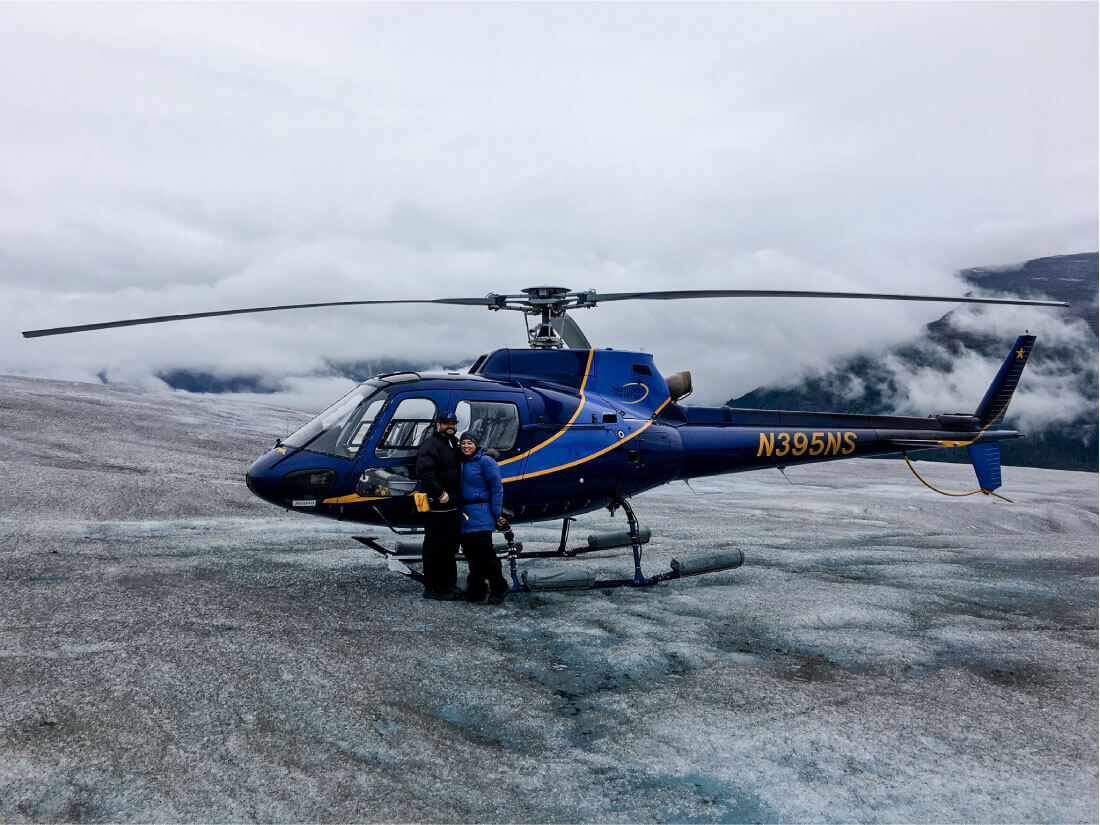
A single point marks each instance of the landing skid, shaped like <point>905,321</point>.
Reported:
<point>560,578</point>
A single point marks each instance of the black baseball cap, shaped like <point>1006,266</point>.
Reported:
<point>448,418</point>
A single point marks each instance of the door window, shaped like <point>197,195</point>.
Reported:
<point>409,426</point>
<point>495,424</point>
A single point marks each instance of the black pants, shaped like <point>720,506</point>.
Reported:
<point>440,546</point>
<point>484,564</point>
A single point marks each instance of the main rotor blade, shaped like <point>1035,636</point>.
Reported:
<point>529,305</point>
<point>160,319</point>
<point>676,295</point>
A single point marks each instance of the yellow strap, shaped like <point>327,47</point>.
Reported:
<point>954,495</point>
<point>974,440</point>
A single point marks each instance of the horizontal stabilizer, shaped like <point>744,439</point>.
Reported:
<point>987,465</point>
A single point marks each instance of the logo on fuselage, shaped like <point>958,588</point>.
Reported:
<point>631,393</point>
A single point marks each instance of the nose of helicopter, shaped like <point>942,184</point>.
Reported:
<point>262,479</point>
<point>279,477</point>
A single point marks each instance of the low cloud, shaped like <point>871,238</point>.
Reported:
<point>176,158</point>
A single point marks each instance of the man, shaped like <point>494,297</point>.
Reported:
<point>439,471</point>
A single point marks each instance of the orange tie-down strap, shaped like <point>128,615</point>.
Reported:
<point>953,495</point>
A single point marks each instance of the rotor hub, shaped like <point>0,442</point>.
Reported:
<point>542,293</point>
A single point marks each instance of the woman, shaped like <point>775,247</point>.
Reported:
<point>482,494</point>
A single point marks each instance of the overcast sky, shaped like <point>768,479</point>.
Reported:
<point>167,158</point>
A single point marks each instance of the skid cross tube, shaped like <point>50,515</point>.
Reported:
<point>392,561</point>
<point>416,531</point>
<point>635,541</point>
<point>563,544</point>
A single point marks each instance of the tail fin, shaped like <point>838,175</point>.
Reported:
<point>986,459</point>
<point>986,456</point>
<point>996,400</point>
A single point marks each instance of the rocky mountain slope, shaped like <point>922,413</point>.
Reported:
<point>1062,369</point>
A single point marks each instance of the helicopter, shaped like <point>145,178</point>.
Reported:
<point>577,429</point>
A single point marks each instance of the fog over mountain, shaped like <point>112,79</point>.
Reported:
<point>949,367</point>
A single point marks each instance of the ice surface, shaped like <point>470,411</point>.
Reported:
<point>173,649</point>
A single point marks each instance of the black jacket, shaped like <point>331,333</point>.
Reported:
<point>439,469</point>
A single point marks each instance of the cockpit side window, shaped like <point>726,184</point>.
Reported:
<point>358,427</point>
<point>409,425</point>
<point>341,429</point>
<point>494,423</point>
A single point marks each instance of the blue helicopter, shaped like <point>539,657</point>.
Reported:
<point>577,429</point>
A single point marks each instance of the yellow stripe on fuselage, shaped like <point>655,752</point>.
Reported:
<point>597,454</point>
<point>559,433</point>
<point>354,499</point>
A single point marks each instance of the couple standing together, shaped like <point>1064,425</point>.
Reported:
<point>464,495</point>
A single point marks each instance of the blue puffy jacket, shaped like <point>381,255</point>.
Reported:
<point>482,493</point>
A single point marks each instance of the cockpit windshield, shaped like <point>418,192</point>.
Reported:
<point>341,429</point>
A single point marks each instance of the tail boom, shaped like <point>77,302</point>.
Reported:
<point>727,440</point>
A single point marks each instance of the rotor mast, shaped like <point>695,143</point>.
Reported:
<point>549,304</point>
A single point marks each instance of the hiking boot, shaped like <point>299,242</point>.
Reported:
<point>497,597</point>
<point>449,596</point>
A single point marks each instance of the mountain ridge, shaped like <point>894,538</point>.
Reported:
<point>875,383</point>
